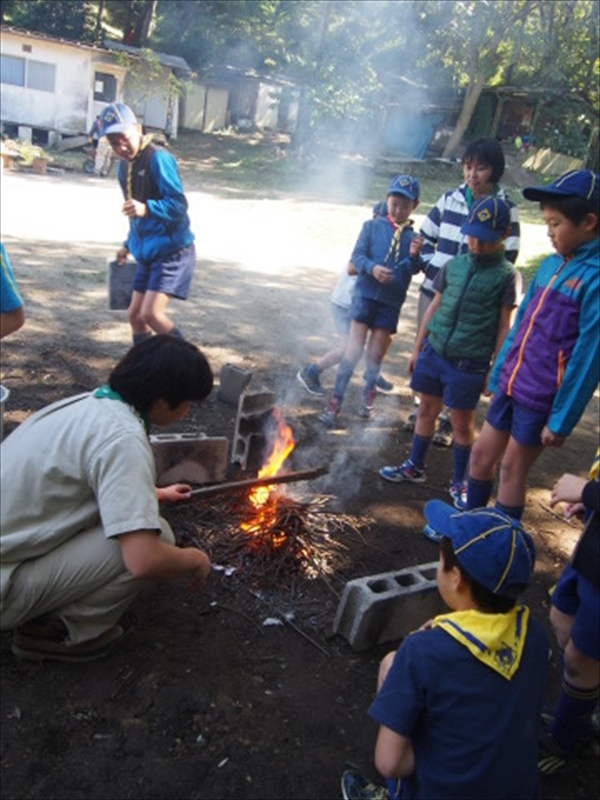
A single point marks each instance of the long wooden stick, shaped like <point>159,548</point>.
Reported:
<point>234,486</point>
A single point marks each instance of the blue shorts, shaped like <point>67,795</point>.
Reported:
<point>341,319</point>
<point>577,597</point>
<point>374,314</point>
<point>170,275</point>
<point>524,424</point>
<point>458,383</point>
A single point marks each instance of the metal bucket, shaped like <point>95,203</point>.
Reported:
<point>4,393</point>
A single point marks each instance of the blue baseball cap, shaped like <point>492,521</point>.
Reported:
<point>117,118</point>
<point>405,185</point>
<point>577,183</point>
<point>491,546</point>
<point>488,220</point>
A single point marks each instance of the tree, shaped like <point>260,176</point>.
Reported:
<point>474,42</point>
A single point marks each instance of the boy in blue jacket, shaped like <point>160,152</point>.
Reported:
<point>548,367</point>
<point>386,256</point>
<point>160,238</point>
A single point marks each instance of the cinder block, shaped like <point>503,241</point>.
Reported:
<point>381,608</point>
<point>232,383</point>
<point>252,426</point>
<point>189,458</point>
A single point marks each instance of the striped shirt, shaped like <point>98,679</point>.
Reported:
<point>443,239</point>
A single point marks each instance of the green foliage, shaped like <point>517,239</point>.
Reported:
<point>63,18</point>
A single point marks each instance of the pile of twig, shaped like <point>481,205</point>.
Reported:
<point>302,536</point>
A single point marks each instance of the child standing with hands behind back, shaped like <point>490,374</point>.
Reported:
<point>548,367</point>
<point>386,256</point>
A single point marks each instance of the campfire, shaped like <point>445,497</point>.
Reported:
<point>258,529</point>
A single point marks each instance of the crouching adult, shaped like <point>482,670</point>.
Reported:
<point>81,533</point>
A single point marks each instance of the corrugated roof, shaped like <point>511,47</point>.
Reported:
<point>109,46</point>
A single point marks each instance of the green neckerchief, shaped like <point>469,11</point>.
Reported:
<point>104,392</point>
<point>497,640</point>
<point>471,199</point>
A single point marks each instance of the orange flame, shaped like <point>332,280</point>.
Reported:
<point>283,445</point>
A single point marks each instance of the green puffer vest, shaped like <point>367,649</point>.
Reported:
<point>466,323</point>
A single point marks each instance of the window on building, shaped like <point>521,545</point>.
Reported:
<point>27,72</point>
<point>40,75</point>
<point>105,87</point>
<point>12,70</point>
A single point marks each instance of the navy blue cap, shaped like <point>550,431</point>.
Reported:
<point>117,118</point>
<point>489,218</point>
<point>491,546</point>
<point>405,185</point>
<point>577,183</point>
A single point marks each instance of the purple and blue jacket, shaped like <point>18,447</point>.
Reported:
<point>549,361</point>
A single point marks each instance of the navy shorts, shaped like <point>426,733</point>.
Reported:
<point>524,424</point>
<point>374,314</point>
<point>341,319</point>
<point>458,383</point>
<point>170,275</point>
<point>577,597</point>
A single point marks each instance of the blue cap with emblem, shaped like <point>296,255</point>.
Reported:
<point>405,185</point>
<point>117,118</point>
<point>492,547</point>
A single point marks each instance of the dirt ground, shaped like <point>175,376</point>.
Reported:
<point>202,699</point>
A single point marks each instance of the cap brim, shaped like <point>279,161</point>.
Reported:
<point>120,127</point>
<point>540,192</point>
<point>482,232</point>
<point>403,194</point>
<point>438,514</point>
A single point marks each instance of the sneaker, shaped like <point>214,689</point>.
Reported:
<point>410,423</point>
<point>310,380</point>
<point>430,532</point>
<point>356,787</point>
<point>34,648</point>
<point>443,436</point>
<point>405,472</point>
<point>329,417</point>
<point>367,410</point>
<point>458,493</point>
<point>383,385</point>
<point>552,759</point>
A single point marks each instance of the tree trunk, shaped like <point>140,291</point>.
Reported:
<point>98,31</point>
<point>472,95</point>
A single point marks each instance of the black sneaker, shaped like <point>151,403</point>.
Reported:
<point>383,385</point>
<point>356,787</point>
<point>311,382</point>
<point>329,417</point>
<point>552,759</point>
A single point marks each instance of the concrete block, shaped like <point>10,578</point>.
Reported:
<point>232,383</point>
<point>189,458</point>
<point>386,607</point>
<point>253,423</point>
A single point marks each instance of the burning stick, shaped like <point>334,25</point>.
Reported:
<point>251,483</point>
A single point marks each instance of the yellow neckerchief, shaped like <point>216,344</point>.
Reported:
<point>595,468</point>
<point>394,250</point>
<point>497,640</point>
<point>144,143</point>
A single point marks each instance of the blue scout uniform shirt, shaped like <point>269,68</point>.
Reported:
<point>474,732</point>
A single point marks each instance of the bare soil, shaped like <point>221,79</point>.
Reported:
<point>202,699</point>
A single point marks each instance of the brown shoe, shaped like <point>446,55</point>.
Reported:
<point>48,626</point>
<point>38,649</point>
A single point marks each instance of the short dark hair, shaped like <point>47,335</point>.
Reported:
<point>489,152</point>
<point>574,208</point>
<point>484,599</point>
<point>163,366</point>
